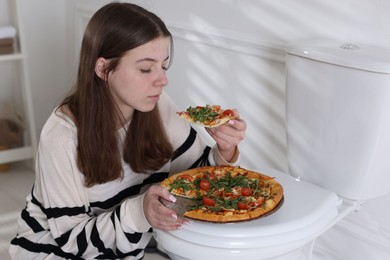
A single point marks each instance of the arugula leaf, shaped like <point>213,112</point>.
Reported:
<point>202,114</point>
<point>181,184</point>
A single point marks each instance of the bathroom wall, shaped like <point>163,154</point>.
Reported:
<point>228,52</point>
<point>44,32</point>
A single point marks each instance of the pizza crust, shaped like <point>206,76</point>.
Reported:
<point>215,124</point>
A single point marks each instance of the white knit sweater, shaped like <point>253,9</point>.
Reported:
<point>65,219</point>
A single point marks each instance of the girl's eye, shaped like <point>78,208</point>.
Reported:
<point>165,66</point>
<point>149,70</point>
<point>145,70</point>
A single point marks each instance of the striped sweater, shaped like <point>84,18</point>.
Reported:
<point>63,219</point>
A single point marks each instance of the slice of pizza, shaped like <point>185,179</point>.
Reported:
<point>182,185</point>
<point>207,116</point>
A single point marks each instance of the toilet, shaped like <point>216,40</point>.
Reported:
<point>338,141</point>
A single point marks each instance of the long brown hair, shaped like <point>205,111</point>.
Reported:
<point>112,31</point>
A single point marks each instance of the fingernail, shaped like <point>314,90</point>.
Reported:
<point>174,216</point>
<point>231,122</point>
<point>172,198</point>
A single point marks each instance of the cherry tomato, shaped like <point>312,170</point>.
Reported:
<point>208,202</point>
<point>242,205</point>
<point>183,113</point>
<point>246,191</point>
<point>186,177</point>
<point>204,184</point>
<point>228,112</point>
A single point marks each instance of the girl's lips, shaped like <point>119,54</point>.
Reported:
<point>155,98</point>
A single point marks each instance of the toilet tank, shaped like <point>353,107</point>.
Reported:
<point>338,117</point>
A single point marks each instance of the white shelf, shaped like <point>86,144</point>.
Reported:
<point>11,57</point>
<point>28,149</point>
<point>16,154</point>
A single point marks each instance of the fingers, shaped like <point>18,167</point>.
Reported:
<point>161,192</point>
<point>237,123</point>
<point>165,219</point>
<point>230,134</point>
<point>158,215</point>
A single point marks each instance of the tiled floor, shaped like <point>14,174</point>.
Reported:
<point>15,185</point>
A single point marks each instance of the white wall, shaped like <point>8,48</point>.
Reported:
<point>43,22</point>
<point>228,52</point>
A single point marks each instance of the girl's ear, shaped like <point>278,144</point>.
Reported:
<point>100,68</point>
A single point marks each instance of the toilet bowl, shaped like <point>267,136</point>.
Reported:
<point>334,150</point>
<point>307,210</point>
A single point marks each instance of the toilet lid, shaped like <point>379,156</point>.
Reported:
<point>307,210</point>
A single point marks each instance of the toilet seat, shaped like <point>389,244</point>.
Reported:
<point>306,212</point>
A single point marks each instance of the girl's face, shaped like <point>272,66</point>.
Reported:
<point>140,77</point>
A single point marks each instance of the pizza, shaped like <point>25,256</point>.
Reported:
<point>207,116</point>
<point>226,193</point>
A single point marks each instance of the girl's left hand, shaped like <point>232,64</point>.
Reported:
<point>228,136</point>
<point>158,215</point>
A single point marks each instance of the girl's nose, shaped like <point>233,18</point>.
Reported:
<point>162,79</point>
